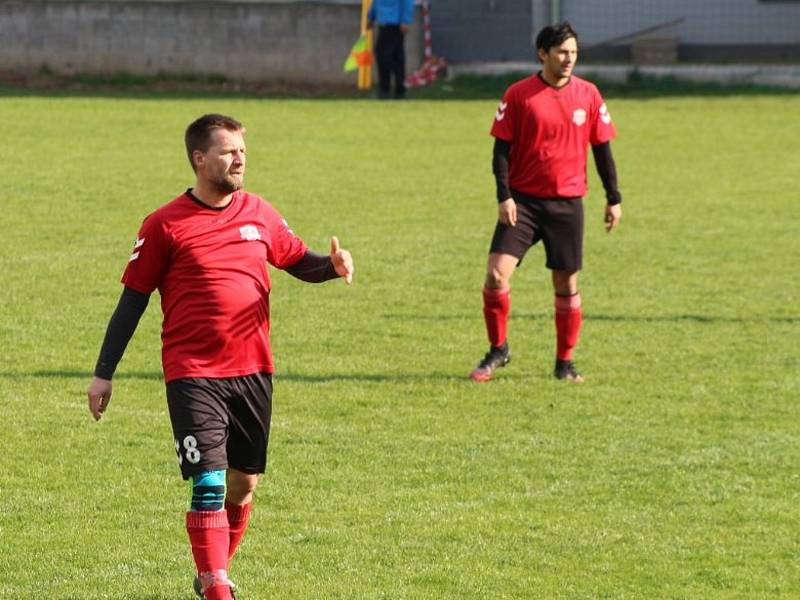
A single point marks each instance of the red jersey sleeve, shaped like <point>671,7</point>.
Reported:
<point>503,124</point>
<point>285,248</point>
<point>149,257</point>
<point>603,129</point>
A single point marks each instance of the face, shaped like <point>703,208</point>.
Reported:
<point>560,60</point>
<point>222,165</point>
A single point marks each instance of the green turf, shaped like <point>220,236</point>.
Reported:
<point>671,473</point>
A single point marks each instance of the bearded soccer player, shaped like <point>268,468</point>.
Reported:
<point>542,131</point>
<point>206,252</point>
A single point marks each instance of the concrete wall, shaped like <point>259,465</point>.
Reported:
<point>730,30</point>
<point>261,40</point>
<point>307,41</point>
<point>481,30</point>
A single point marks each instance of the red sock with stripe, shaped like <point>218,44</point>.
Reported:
<point>209,535</point>
<point>568,317</point>
<point>496,307</point>
<point>238,519</point>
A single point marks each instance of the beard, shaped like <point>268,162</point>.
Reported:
<point>227,183</point>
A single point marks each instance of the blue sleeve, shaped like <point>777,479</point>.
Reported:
<point>407,12</point>
<point>371,12</point>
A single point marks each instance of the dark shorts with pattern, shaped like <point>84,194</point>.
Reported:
<point>221,422</point>
<point>558,222</point>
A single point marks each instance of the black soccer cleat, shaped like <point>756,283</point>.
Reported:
<point>566,370</point>
<point>495,358</point>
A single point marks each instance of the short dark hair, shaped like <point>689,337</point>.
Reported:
<point>555,35</point>
<point>198,133</point>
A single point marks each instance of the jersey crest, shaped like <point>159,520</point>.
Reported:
<point>579,117</point>
<point>249,233</point>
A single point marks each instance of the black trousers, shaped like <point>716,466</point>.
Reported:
<point>390,54</point>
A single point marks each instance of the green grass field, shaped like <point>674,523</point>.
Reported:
<point>671,473</point>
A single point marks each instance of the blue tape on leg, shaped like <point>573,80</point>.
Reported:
<point>208,491</point>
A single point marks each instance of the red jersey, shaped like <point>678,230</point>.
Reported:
<point>210,267</point>
<point>549,130</point>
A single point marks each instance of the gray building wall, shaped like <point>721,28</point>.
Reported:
<point>740,30</point>
<point>256,40</point>
<point>308,40</point>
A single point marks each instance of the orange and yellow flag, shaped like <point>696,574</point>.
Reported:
<point>360,55</point>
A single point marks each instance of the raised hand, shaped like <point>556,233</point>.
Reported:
<point>342,261</point>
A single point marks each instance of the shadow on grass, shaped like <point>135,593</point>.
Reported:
<point>87,375</point>
<point>637,86</point>
<point>462,87</point>
<point>143,597</point>
<point>369,377</point>
<point>280,376</point>
<point>602,317</point>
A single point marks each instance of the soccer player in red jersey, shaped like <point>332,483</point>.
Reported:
<point>206,252</point>
<point>542,131</point>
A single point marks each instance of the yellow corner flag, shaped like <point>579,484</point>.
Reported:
<point>360,55</point>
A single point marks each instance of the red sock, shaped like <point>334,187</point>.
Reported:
<point>208,534</point>
<point>496,306</point>
<point>238,518</point>
<point>568,325</point>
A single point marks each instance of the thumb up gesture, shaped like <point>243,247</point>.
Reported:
<point>342,261</point>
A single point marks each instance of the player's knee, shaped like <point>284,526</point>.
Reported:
<point>496,280</point>
<point>565,283</point>
<point>241,486</point>
<point>208,491</point>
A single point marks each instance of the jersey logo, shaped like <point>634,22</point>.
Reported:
<point>136,245</point>
<point>579,117</point>
<point>605,116</point>
<point>500,113</point>
<point>249,232</point>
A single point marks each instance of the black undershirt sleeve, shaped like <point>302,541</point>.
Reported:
<point>607,170</point>
<point>123,322</point>
<point>500,154</point>
<point>313,268</point>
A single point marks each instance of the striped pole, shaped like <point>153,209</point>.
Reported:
<point>432,65</point>
<point>426,28</point>
<point>365,72</point>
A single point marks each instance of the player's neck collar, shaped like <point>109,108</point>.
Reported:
<point>197,200</point>
<point>550,85</point>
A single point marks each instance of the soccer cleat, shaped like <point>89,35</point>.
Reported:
<point>494,359</point>
<point>566,370</point>
<point>198,588</point>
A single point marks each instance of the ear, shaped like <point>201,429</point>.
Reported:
<point>197,158</point>
<point>542,54</point>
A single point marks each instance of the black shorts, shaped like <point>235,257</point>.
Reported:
<point>221,423</point>
<point>558,222</point>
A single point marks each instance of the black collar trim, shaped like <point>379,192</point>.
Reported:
<point>197,200</point>
<point>553,87</point>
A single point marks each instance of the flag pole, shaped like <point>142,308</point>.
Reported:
<point>365,72</point>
